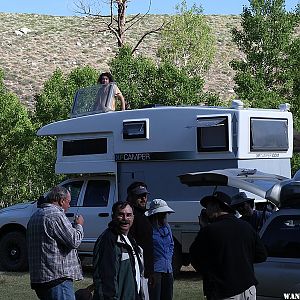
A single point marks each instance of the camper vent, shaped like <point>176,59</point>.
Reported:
<point>136,129</point>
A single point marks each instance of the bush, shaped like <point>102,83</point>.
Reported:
<point>142,82</point>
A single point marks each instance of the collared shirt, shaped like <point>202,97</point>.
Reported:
<point>52,243</point>
<point>163,246</point>
<point>136,263</point>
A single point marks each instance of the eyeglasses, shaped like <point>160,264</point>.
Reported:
<point>141,196</point>
<point>125,216</point>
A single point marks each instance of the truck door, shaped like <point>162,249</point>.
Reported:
<point>95,208</point>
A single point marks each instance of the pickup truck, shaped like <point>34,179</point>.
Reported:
<point>89,197</point>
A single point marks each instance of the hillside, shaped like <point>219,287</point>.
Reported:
<point>67,42</point>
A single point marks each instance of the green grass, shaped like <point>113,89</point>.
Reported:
<point>16,286</point>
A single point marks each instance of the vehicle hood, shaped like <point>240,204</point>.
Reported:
<point>264,185</point>
<point>19,206</point>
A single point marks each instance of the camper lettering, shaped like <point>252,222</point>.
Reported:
<point>132,156</point>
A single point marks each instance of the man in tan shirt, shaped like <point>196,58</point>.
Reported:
<point>103,101</point>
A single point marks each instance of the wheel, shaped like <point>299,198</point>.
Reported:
<point>177,259</point>
<point>13,252</point>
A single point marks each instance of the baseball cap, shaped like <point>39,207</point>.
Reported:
<point>139,190</point>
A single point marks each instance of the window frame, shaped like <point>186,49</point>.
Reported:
<point>262,148</point>
<point>128,136</point>
<point>199,133</point>
<point>103,146</point>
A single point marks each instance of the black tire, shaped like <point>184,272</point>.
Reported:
<point>177,259</point>
<point>13,252</point>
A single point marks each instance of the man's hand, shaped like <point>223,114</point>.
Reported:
<point>151,280</point>
<point>79,220</point>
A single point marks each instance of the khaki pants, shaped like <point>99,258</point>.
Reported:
<point>249,294</point>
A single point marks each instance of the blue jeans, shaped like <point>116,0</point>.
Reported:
<point>62,291</point>
<point>163,287</point>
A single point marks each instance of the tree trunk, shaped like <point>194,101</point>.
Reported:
<point>121,21</point>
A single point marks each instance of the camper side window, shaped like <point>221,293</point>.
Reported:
<point>97,193</point>
<point>212,134</point>
<point>85,147</point>
<point>269,134</point>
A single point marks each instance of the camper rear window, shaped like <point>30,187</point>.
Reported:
<point>135,130</point>
<point>212,134</point>
<point>269,134</point>
<point>85,147</point>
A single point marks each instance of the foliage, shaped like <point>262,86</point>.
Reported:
<point>188,41</point>
<point>16,133</point>
<point>264,76</point>
<point>27,161</point>
<point>142,82</point>
<point>296,97</point>
<point>267,76</point>
<point>55,101</point>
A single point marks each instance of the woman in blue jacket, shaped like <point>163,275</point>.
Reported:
<point>163,248</point>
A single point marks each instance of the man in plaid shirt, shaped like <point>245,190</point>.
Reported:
<point>52,242</point>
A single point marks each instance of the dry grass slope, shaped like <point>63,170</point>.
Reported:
<point>67,42</point>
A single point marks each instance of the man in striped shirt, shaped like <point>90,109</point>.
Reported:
<point>52,242</point>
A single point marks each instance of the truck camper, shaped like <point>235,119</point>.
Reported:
<point>107,151</point>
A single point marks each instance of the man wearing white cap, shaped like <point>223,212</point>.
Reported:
<point>163,248</point>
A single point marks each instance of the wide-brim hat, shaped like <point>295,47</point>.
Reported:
<point>223,199</point>
<point>240,198</point>
<point>158,206</point>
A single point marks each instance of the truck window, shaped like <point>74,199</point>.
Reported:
<point>74,188</point>
<point>212,134</point>
<point>97,193</point>
<point>269,134</point>
<point>281,237</point>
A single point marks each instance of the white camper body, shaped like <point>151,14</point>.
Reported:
<point>156,145</point>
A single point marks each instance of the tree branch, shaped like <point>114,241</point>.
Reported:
<point>86,10</point>
<point>146,34</point>
<point>138,18</point>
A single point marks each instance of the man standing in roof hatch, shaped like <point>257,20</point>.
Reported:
<point>141,230</point>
